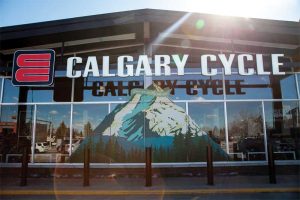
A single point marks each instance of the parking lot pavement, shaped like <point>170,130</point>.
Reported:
<point>227,183</point>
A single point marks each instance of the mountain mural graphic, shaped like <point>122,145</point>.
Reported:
<point>149,118</point>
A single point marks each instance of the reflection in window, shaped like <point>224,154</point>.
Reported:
<point>182,137</point>
<point>13,94</point>
<point>117,136</point>
<point>260,87</point>
<point>10,93</point>
<point>210,117</point>
<point>181,104</point>
<point>15,131</point>
<point>36,94</point>
<point>86,121</point>
<point>110,89</point>
<point>52,133</point>
<point>245,130</point>
<point>288,87</point>
<point>192,86</point>
<point>283,128</point>
<point>114,106</point>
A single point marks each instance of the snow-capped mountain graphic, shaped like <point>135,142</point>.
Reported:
<point>149,118</point>
<point>148,111</point>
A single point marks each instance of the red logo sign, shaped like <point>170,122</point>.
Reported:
<point>33,67</point>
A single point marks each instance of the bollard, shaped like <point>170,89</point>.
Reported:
<point>271,164</point>
<point>62,158</point>
<point>209,160</point>
<point>24,168</point>
<point>148,170</point>
<point>86,167</point>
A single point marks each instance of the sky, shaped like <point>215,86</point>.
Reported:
<point>16,12</point>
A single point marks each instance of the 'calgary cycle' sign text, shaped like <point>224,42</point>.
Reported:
<point>127,66</point>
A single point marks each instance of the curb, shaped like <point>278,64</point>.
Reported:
<point>146,192</point>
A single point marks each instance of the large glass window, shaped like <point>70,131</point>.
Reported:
<point>192,86</point>
<point>60,91</point>
<point>283,128</point>
<point>245,130</point>
<point>260,87</point>
<point>10,93</point>
<point>168,132</point>
<point>15,131</point>
<point>52,133</point>
<point>184,137</point>
<point>36,94</point>
<point>87,120</point>
<point>210,118</point>
<point>112,137</point>
<point>110,89</point>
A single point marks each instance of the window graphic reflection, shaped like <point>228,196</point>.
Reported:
<point>52,133</point>
<point>283,128</point>
<point>86,121</point>
<point>16,124</point>
<point>245,130</point>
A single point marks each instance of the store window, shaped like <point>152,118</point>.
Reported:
<point>283,128</point>
<point>245,130</point>
<point>114,106</point>
<point>210,117</point>
<point>109,89</point>
<point>192,86</point>
<point>181,104</point>
<point>122,134</point>
<point>16,124</point>
<point>184,137</point>
<point>166,125</point>
<point>53,131</point>
<point>60,91</point>
<point>260,87</point>
<point>10,93</point>
<point>87,120</point>
<point>287,86</point>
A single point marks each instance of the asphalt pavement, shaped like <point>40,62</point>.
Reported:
<point>114,187</point>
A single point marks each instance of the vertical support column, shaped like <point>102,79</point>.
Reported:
<point>1,100</point>
<point>24,168</point>
<point>1,93</point>
<point>187,107</point>
<point>226,127</point>
<point>271,164</point>
<point>33,134</point>
<point>71,129</point>
<point>71,117</point>
<point>297,86</point>
<point>265,129</point>
<point>86,167</point>
<point>209,160</point>
<point>147,51</point>
<point>225,111</point>
<point>148,170</point>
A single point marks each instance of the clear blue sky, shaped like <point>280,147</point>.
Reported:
<point>14,12</point>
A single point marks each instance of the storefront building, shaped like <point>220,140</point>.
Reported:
<point>171,80</point>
